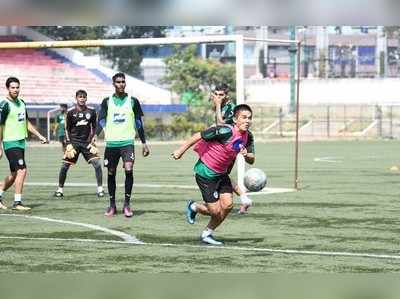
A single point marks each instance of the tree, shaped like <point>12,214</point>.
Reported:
<point>193,78</point>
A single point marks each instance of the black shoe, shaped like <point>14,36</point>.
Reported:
<point>58,194</point>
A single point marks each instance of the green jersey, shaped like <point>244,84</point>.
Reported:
<point>13,118</point>
<point>60,120</point>
<point>227,112</point>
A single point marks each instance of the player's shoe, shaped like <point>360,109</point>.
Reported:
<point>20,207</point>
<point>58,194</point>
<point>111,211</point>
<point>100,194</point>
<point>190,214</point>
<point>395,168</point>
<point>2,206</point>
<point>210,240</point>
<point>127,211</point>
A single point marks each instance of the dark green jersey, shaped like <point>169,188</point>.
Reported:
<point>60,120</point>
<point>227,112</point>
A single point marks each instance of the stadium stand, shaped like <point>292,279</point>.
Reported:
<point>47,78</point>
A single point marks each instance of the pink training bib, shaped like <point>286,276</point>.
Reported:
<point>218,156</point>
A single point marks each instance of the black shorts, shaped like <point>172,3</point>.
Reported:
<point>112,155</point>
<point>16,158</point>
<point>211,189</point>
<point>81,148</point>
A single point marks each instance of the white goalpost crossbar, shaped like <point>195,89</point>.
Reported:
<point>239,41</point>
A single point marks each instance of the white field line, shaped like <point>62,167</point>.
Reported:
<point>122,235</point>
<point>191,187</point>
<point>327,159</point>
<point>232,248</point>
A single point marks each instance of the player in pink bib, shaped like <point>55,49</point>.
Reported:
<point>217,148</point>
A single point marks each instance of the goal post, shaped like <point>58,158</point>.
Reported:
<point>239,41</point>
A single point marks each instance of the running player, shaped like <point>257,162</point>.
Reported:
<point>14,127</point>
<point>119,115</point>
<point>217,148</point>
<point>224,115</point>
<point>80,138</point>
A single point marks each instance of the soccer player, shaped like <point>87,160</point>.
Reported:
<point>119,115</point>
<point>217,148</point>
<point>59,129</point>
<point>80,133</point>
<point>224,115</point>
<point>14,127</point>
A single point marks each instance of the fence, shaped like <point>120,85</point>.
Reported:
<point>329,121</point>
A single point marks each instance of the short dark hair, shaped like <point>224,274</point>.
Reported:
<point>64,106</point>
<point>241,107</point>
<point>11,80</point>
<point>81,92</point>
<point>118,75</point>
<point>222,87</point>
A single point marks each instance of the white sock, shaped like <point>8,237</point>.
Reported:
<point>207,232</point>
<point>17,197</point>
<point>60,189</point>
<point>1,193</point>
<point>100,189</point>
<point>193,207</point>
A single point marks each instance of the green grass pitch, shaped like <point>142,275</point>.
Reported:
<point>349,202</point>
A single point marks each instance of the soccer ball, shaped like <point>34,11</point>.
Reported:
<point>255,179</point>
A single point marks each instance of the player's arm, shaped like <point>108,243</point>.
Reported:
<point>249,155</point>
<point>139,124</point>
<point>177,154</point>
<point>4,110</point>
<point>102,119</point>
<point>32,129</point>
<point>67,127</point>
<point>93,124</point>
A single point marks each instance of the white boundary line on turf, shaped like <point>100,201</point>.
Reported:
<point>190,187</point>
<point>124,236</point>
<point>234,248</point>
<point>327,159</point>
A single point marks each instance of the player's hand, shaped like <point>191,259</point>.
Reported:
<point>43,140</point>
<point>243,150</point>
<point>70,152</point>
<point>177,154</point>
<point>1,152</point>
<point>93,149</point>
<point>217,99</point>
<point>145,150</point>
<point>93,141</point>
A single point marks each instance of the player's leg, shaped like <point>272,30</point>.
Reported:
<point>7,183</point>
<point>67,162</point>
<point>62,176</point>
<point>16,157</point>
<point>94,160</point>
<point>111,159</point>
<point>214,209</point>
<point>128,158</point>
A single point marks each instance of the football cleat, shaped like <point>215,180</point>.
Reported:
<point>58,194</point>
<point>127,211</point>
<point>100,194</point>
<point>190,214</point>
<point>210,240</point>
<point>111,211</point>
<point>19,206</point>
